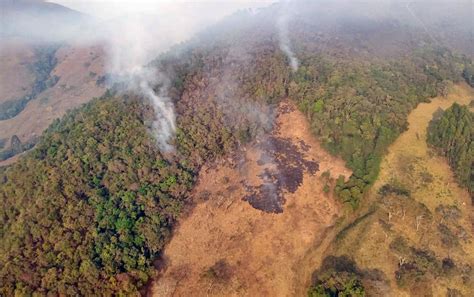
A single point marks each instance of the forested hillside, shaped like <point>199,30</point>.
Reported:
<point>88,210</point>
<point>356,107</point>
<point>91,207</point>
<point>411,233</point>
<point>452,134</point>
<point>95,199</point>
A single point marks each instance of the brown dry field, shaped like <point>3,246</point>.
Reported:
<point>262,252</point>
<point>76,86</point>
<point>411,147</point>
<point>409,161</point>
<point>16,79</point>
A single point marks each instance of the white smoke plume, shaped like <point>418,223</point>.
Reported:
<point>131,44</point>
<point>131,32</point>
<point>283,34</point>
<point>134,40</point>
<point>164,126</point>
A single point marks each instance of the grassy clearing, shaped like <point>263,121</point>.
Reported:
<point>420,236</point>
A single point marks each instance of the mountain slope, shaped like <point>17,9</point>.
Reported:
<point>227,85</point>
<point>414,228</point>
<point>228,246</point>
<point>44,74</point>
<point>38,21</point>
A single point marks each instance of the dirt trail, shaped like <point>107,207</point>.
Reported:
<point>227,247</point>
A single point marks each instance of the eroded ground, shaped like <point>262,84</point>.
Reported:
<point>255,219</point>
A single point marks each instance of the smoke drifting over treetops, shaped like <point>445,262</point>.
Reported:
<point>131,43</point>
<point>133,40</point>
<point>133,33</point>
<point>285,13</point>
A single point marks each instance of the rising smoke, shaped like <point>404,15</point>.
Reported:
<point>135,40</point>
<point>164,126</point>
<point>132,33</point>
<point>285,12</point>
<point>131,44</point>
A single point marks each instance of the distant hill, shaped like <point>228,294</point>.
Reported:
<point>44,71</point>
<point>38,21</point>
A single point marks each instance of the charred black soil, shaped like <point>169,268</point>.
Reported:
<point>285,164</point>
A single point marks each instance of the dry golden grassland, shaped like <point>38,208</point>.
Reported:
<point>225,247</point>
<point>425,221</point>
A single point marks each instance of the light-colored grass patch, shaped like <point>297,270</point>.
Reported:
<point>412,165</point>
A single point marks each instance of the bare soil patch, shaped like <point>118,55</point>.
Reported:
<point>226,246</point>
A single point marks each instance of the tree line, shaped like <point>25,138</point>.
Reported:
<point>451,133</point>
<point>89,209</point>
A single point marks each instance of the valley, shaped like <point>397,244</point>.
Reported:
<point>434,219</point>
<point>47,70</point>
<point>77,70</point>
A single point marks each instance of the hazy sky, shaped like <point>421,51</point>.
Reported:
<point>107,9</point>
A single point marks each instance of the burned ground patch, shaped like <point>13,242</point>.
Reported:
<point>224,246</point>
<point>283,166</point>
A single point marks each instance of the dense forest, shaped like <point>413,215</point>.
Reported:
<point>87,211</point>
<point>452,134</point>
<point>358,109</point>
<point>92,205</point>
<point>93,200</point>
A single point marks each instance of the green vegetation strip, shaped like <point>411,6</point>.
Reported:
<point>451,133</point>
